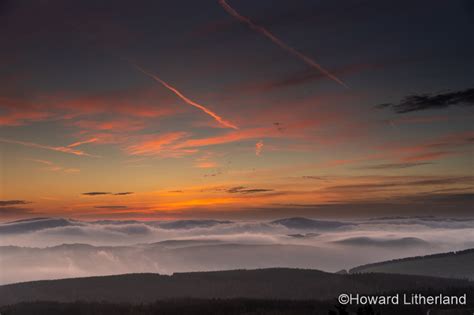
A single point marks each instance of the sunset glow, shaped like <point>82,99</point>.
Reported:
<point>224,112</point>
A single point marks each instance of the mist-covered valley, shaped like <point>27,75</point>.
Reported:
<point>53,248</point>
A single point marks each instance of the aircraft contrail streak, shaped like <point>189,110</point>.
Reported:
<point>279,42</point>
<point>187,100</point>
<point>47,147</point>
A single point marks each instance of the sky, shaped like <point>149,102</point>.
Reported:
<point>235,109</point>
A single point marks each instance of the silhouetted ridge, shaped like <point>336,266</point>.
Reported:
<point>305,223</point>
<point>276,283</point>
<point>450,265</point>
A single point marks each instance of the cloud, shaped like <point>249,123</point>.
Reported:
<point>206,164</point>
<point>47,147</point>
<point>109,125</point>
<point>34,224</point>
<point>22,118</point>
<point>244,190</point>
<point>431,202</point>
<point>401,182</point>
<point>313,177</point>
<point>428,156</point>
<point>164,144</point>
<point>451,199</point>
<point>305,224</point>
<point>206,161</point>
<point>131,229</point>
<point>191,224</point>
<point>418,102</point>
<point>394,166</point>
<point>9,209</point>
<point>96,193</point>
<point>53,167</point>
<point>446,145</point>
<point>229,137</point>
<point>111,207</point>
<point>396,242</point>
<point>4,203</point>
<point>258,148</point>
<point>45,248</point>
<point>307,76</point>
<point>14,212</point>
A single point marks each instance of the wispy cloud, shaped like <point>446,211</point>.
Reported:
<point>232,136</point>
<point>279,42</point>
<point>293,79</point>
<point>96,193</point>
<point>111,207</point>
<point>100,193</point>
<point>206,164</point>
<point>245,190</point>
<point>51,166</point>
<point>15,212</point>
<point>12,208</point>
<point>428,156</point>
<point>4,203</point>
<point>418,102</point>
<point>258,148</point>
<point>377,184</point>
<point>67,150</point>
<point>394,166</point>
<point>78,143</point>
<point>314,177</point>
<point>18,118</point>
<point>165,144</point>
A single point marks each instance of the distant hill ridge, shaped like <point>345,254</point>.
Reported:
<point>455,264</point>
<point>274,283</point>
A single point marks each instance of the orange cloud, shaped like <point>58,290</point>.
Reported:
<point>157,145</point>
<point>229,137</point>
<point>258,148</point>
<point>22,117</point>
<point>51,166</point>
<point>111,125</point>
<point>78,143</point>
<point>428,156</point>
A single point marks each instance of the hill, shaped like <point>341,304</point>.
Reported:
<point>447,265</point>
<point>310,224</point>
<point>278,283</point>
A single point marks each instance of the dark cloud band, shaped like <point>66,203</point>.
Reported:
<point>419,102</point>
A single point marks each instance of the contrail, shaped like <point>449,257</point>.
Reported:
<point>187,100</point>
<point>279,42</point>
<point>47,147</point>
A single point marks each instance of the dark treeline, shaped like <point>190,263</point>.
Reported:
<point>239,306</point>
<point>173,307</point>
<point>265,284</point>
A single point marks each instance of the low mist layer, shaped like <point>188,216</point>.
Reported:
<point>51,248</point>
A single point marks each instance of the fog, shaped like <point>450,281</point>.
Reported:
<point>52,248</point>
